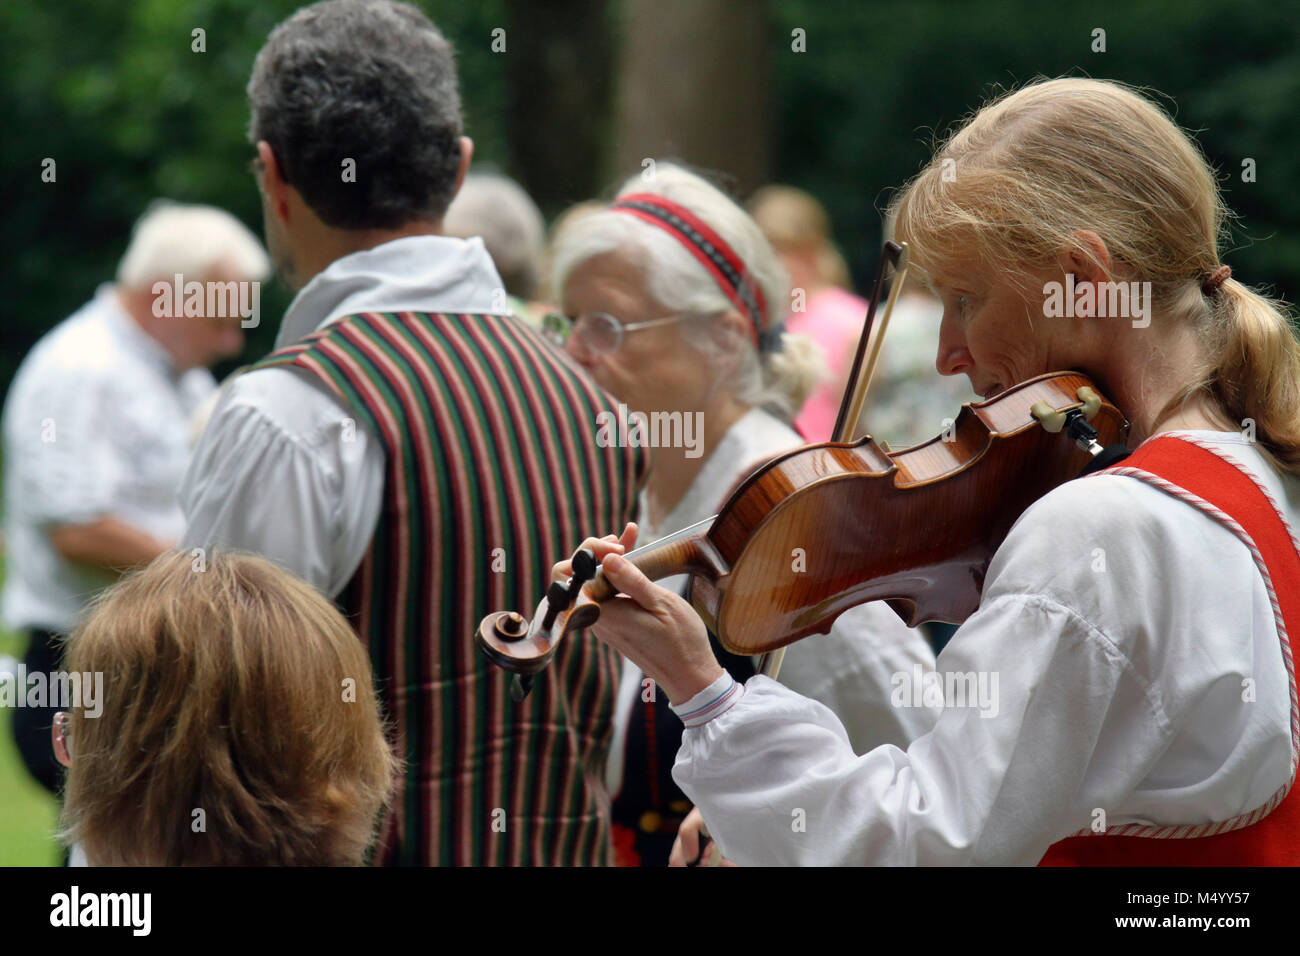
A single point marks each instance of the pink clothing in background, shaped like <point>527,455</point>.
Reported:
<point>833,319</point>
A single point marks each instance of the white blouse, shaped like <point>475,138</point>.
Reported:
<point>1136,673</point>
<point>847,669</point>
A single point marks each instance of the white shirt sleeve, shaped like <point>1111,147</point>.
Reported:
<point>1115,687</point>
<point>70,469</point>
<point>284,471</point>
<point>849,670</point>
<point>971,791</point>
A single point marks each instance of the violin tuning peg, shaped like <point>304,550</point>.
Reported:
<point>557,594</point>
<point>1091,402</point>
<point>1051,420</point>
<point>520,687</point>
<point>557,599</point>
<point>585,565</point>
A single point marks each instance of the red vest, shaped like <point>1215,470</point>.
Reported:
<point>1270,834</point>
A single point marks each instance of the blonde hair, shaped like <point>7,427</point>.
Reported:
<point>231,688</point>
<point>793,219</point>
<point>1032,168</point>
<point>676,280</point>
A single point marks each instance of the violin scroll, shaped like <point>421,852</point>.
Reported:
<point>526,647</point>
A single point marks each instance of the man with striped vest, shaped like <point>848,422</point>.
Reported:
<point>413,450</point>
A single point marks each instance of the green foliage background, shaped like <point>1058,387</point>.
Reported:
<point>111,90</point>
<point>857,113</point>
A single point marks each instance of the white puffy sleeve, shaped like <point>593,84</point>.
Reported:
<point>778,783</point>
<point>1098,675</point>
<point>850,670</point>
<point>282,471</point>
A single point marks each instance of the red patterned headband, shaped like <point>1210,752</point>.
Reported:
<point>709,248</point>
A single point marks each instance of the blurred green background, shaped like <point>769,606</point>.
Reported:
<point>113,92</point>
<point>27,810</point>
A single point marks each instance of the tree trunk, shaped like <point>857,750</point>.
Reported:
<point>693,86</point>
<point>559,96</point>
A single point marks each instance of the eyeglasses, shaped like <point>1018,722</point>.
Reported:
<point>599,332</point>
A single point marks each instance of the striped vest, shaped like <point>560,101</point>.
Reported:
<point>492,473</point>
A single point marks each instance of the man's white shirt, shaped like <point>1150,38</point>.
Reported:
<point>283,469</point>
<point>95,425</point>
<point>1113,616</point>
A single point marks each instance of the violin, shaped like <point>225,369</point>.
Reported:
<point>821,529</point>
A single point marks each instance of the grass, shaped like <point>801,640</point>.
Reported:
<point>27,810</point>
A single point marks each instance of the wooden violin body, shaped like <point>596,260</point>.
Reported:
<point>827,527</point>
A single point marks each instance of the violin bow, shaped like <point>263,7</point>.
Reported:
<point>864,367</point>
<point>868,354</point>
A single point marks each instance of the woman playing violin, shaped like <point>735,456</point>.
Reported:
<point>1132,632</point>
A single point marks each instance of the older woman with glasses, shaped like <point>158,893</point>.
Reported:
<point>673,301</point>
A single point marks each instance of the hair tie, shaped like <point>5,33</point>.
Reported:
<point>709,248</point>
<point>1215,279</point>
<point>769,340</point>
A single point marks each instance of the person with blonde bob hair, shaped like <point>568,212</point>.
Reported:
<point>828,312</point>
<point>1135,626</point>
<point>239,722</point>
<point>675,300</point>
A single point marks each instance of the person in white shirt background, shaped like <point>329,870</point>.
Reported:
<point>96,430</point>
<point>1150,698</point>
<point>909,399</point>
<point>666,335</point>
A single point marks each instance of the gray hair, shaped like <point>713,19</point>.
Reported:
<point>675,279</point>
<point>496,208</point>
<point>372,81</point>
<point>171,238</point>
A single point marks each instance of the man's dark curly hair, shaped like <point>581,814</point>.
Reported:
<point>368,80</point>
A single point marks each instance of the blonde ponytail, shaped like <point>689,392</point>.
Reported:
<point>1257,378</point>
